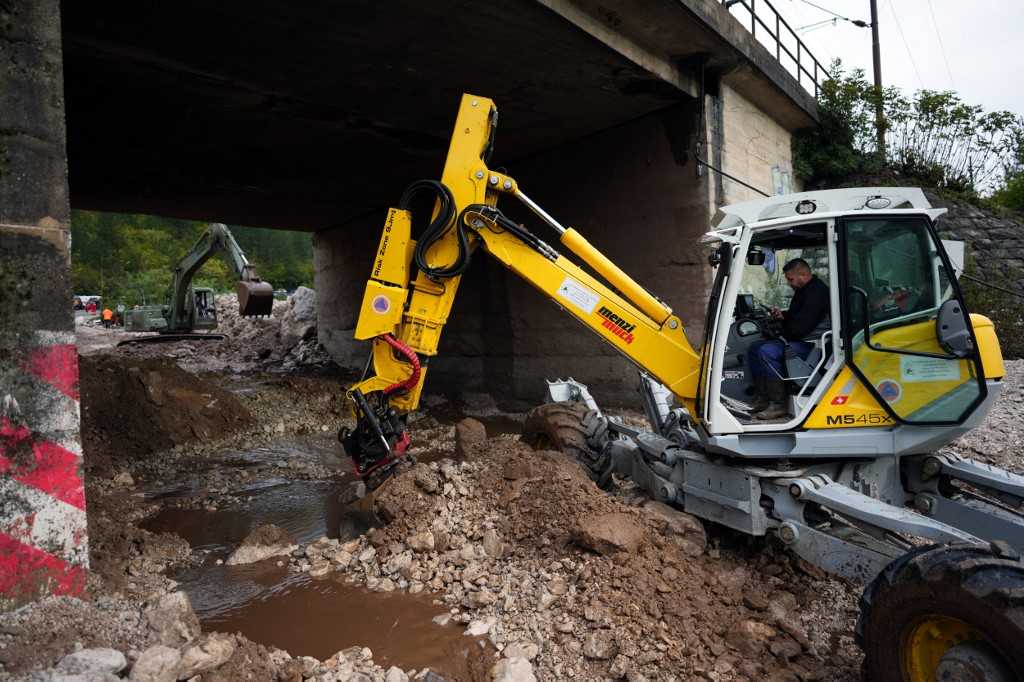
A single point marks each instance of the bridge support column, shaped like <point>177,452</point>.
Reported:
<point>43,547</point>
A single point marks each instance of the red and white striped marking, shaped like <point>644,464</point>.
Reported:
<point>43,536</point>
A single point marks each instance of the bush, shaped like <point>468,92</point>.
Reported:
<point>932,137</point>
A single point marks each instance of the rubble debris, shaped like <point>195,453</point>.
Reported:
<point>262,543</point>
<point>506,558</point>
<point>608,533</point>
<point>469,433</point>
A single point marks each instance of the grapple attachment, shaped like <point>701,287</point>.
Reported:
<point>255,298</point>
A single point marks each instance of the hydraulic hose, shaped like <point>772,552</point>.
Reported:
<point>436,229</point>
<point>409,355</point>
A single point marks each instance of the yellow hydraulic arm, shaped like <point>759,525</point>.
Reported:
<point>403,317</point>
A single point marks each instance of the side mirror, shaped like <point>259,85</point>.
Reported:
<point>952,330</point>
<point>755,257</point>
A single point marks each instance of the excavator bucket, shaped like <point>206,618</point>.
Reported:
<point>255,298</point>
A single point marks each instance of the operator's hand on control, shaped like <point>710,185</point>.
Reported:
<point>776,313</point>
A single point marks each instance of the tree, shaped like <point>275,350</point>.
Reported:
<point>131,258</point>
<point>932,136</point>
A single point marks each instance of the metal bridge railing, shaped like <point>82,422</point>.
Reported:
<point>772,31</point>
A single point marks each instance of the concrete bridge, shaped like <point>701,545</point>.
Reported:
<point>314,116</point>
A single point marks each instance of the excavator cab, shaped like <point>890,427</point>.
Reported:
<point>895,346</point>
<point>205,309</point>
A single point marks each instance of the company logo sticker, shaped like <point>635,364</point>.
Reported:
<point>840,399</point>
<point>616,325</point>
<point>381,304</point>
<point>891,390</point>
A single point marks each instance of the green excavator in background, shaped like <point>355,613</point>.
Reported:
<point>192,308</point>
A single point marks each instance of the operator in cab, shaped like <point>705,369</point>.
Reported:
<point>809,307</point>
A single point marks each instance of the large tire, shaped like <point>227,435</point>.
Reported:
<point>918,612</point>
<point>564,427</point>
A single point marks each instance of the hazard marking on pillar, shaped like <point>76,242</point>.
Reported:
<point>57,365</point>
<point>43,531</point>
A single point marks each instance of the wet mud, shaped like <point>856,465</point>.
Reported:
<point>319,617</point>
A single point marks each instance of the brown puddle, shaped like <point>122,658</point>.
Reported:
<point>321,617</point>
<point>309,617</point>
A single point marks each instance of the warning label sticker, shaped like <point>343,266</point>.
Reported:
<point>579,295</point>
<point>928,369</point>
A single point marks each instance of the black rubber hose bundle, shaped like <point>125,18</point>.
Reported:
<point>437,228</point>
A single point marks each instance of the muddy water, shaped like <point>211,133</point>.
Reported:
<point>289,610</point>
<point>320,617</point>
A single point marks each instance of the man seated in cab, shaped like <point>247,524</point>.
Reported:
<point>810,305</point>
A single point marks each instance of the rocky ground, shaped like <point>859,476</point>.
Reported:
<point>547,576</point>
<point>281,342</point>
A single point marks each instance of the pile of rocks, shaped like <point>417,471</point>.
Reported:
<point>287,338</point>
<point>568,582</point>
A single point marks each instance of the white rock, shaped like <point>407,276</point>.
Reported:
<point>173,620</point>
<point>211,651</point>
<point>513,670</point>
<point>443,619</point>
<point>396,674</point>
<point>479,628</point>
<point>421,542</point>
<point>527,650</point>
<point>156,664</point>
<point>493,546</point>
<point>299,321</point>
<point>97,661</point>
<point>367,555</point>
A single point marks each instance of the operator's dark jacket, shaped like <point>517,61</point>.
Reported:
<point>808,308</point>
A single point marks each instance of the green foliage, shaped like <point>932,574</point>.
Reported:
<point>131,258</point>
<point>931,137</point>
<point>836,149</point>
<point>1004,309</point>
<point>1011,194</point>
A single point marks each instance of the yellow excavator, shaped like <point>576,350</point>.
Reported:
<point>850,477</point>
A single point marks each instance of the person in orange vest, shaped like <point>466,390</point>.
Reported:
<point>108,317</point>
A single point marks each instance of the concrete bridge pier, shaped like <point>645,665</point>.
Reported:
<point>633,191</point>
<point>43,548</point>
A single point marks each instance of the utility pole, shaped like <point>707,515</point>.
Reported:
<point>876,53</point>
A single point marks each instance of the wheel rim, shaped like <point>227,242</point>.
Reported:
<point>929,640</point>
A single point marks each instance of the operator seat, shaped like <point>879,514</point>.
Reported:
<point>800,372</point>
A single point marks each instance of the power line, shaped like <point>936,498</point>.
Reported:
<point>816,25</point>
<point>855,22</point>
<point>906,45</point>
<point>942,47</point>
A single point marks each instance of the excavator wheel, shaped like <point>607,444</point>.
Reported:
<point>944,613</point>
<point>255,298</point>
<point>564,427</point>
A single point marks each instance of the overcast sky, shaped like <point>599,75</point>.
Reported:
<point>982,41</point>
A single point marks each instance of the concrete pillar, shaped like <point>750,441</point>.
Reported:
<point>43,548</point>
<point>633,191</point>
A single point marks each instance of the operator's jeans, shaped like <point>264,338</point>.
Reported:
<point>765,358</point>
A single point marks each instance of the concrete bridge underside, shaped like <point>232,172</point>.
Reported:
<point>315,116</point>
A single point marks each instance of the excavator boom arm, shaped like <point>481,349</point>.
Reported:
<point>255,297</point>
<point>403,315</point>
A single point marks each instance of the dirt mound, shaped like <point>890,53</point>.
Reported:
<point>593,584</point>
<point>132,407</point>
